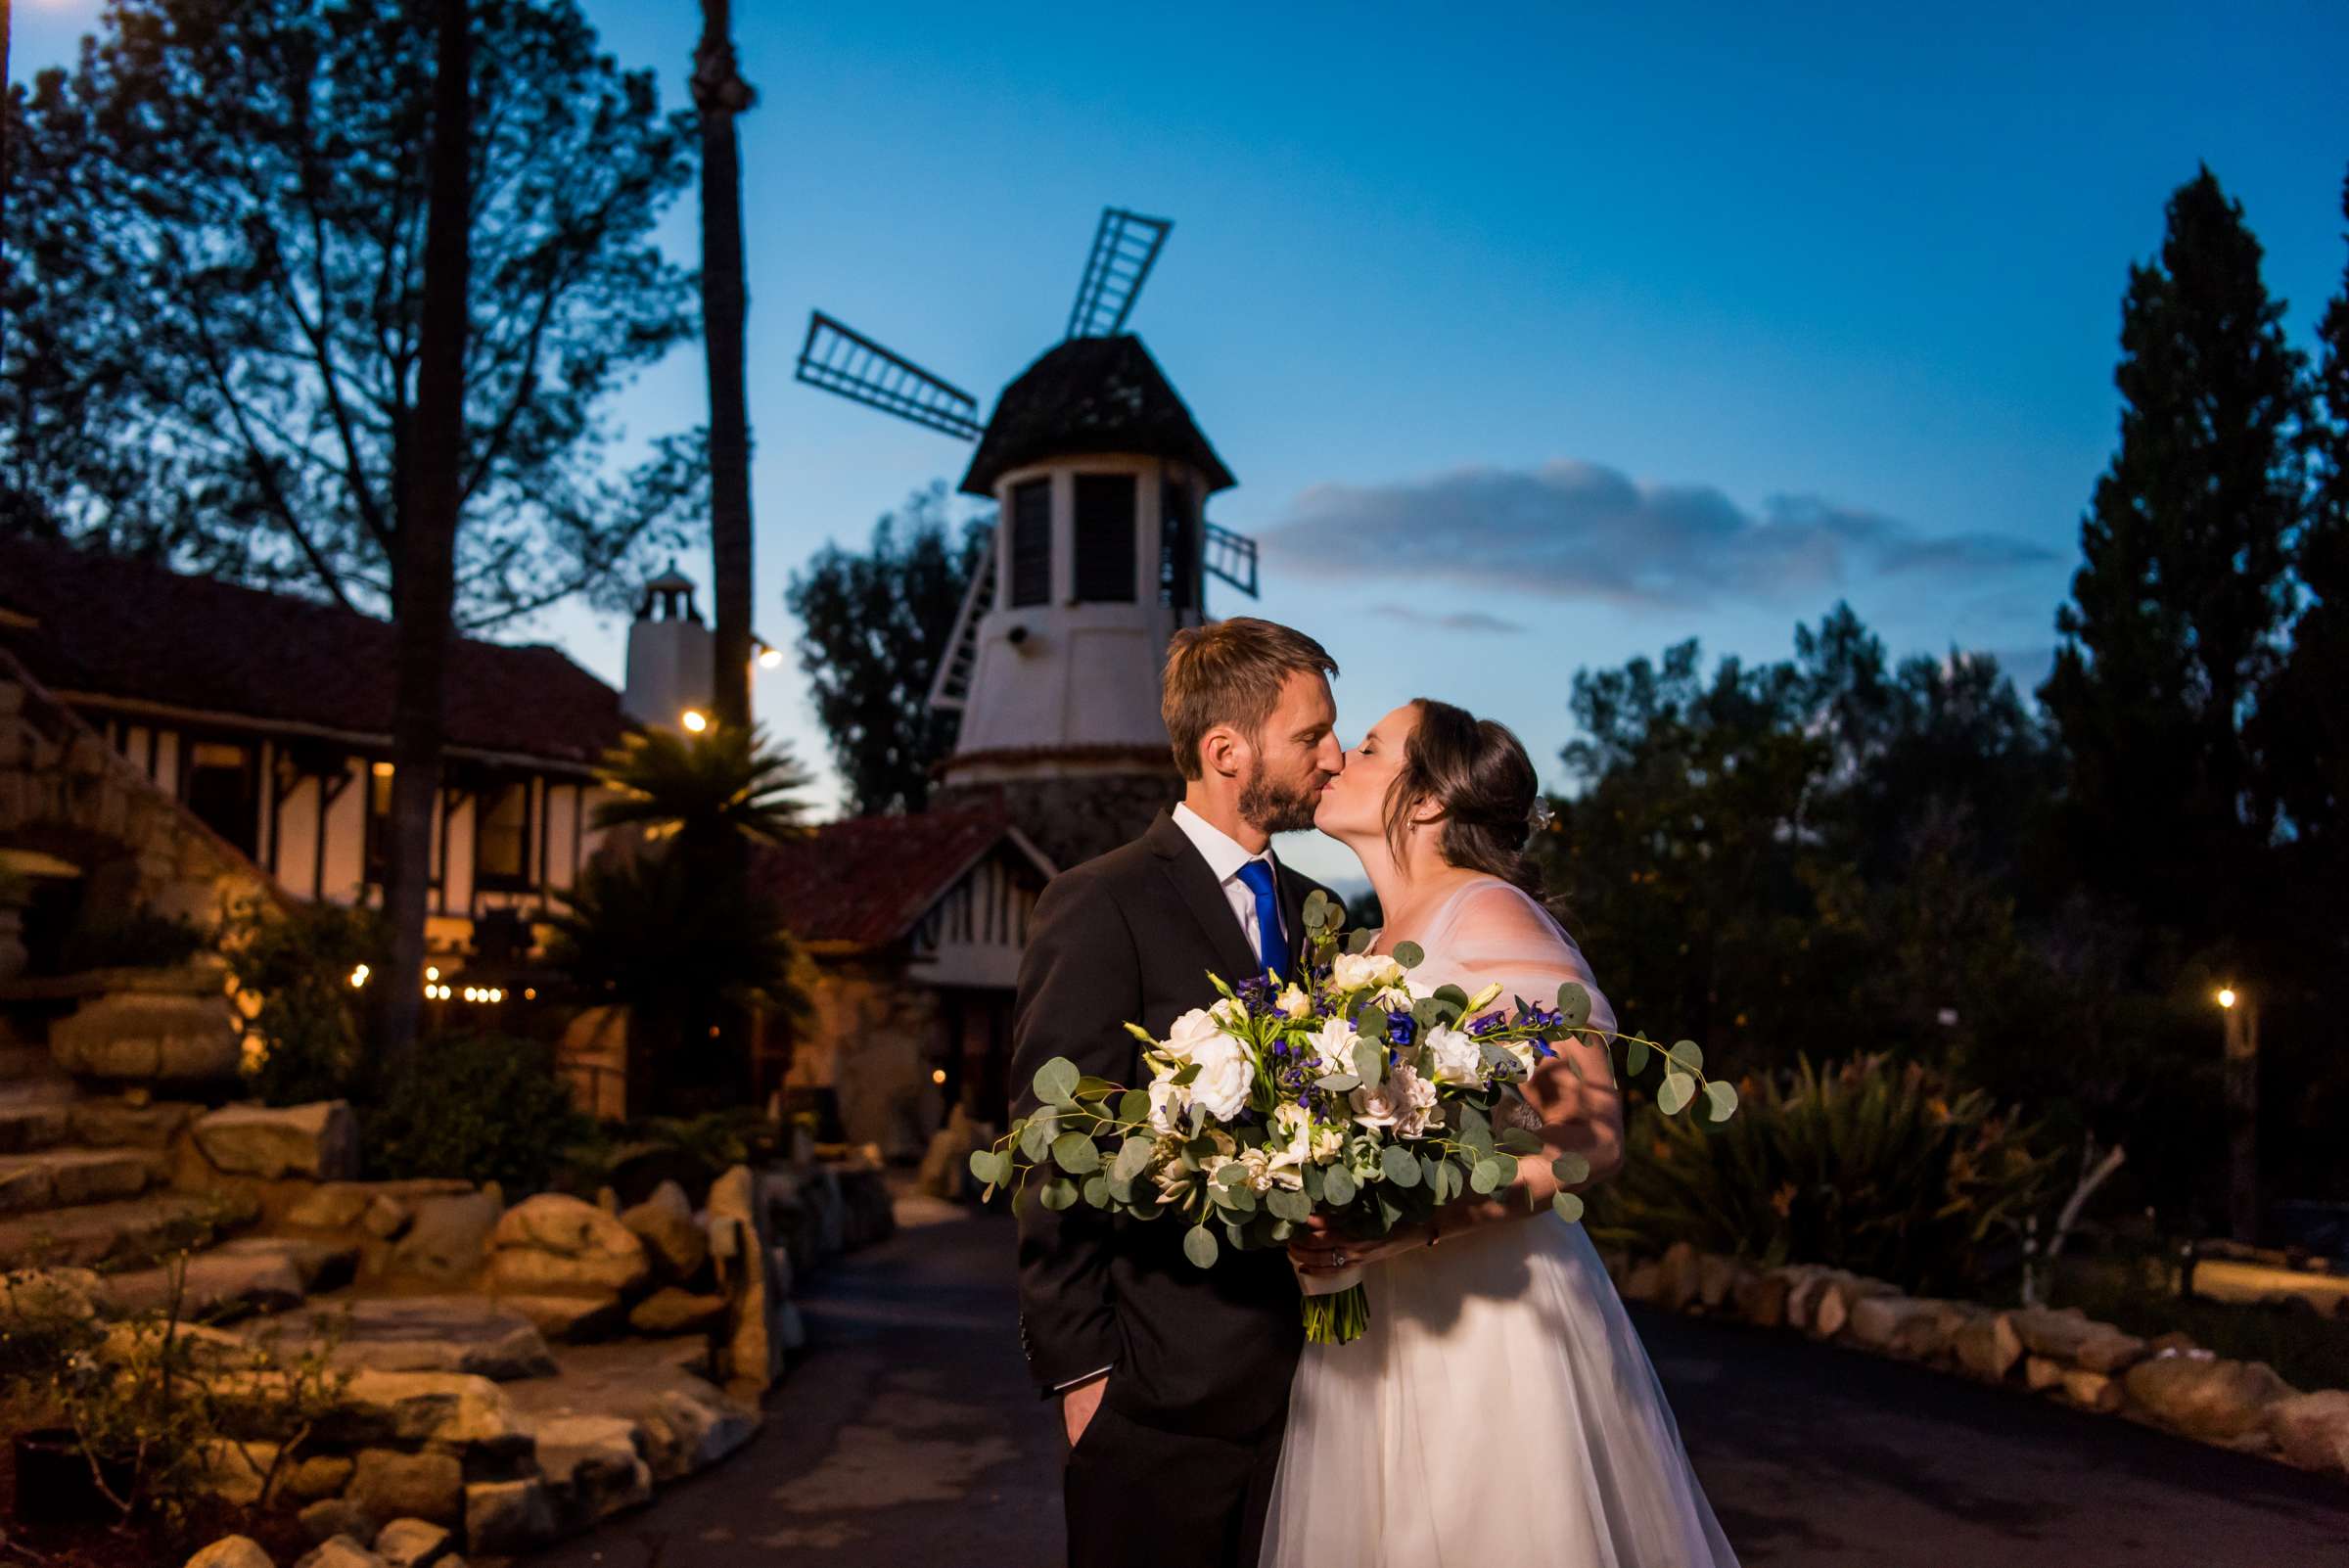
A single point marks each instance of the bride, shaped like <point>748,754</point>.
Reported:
<point>1500,1410</point>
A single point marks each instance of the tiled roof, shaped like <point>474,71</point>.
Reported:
<point>864,882</point>
<point>1091,395</point>
<point>109,628</point>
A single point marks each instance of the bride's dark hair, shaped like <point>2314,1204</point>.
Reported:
<point>1476,774</point>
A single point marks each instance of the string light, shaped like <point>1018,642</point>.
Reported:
<point>359,977</point>
<point>2227,997</point>
<point>432,971</point>
<point>937,1075</point>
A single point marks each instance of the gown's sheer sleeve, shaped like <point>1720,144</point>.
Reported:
<point>1496,932</point>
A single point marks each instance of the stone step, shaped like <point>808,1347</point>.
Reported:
<point>87,1235</point>
<point>47,1088</point>
<point>60,1178</point>
<point>21,1060</point>
<point>30,1125</point>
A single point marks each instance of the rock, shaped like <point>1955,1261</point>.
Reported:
<point>2092,1390</point>
<point>608,1200</point>
<point>340,1551</point>
<point>319,1265</point>
<point>754,1353</point>
<point>413,1544</point>
<point>150,1036</point>
<point>333,1518</point>
<point>2041,1373</point>
<point>392,1484</point>
<point>62,1178</point>
<point>2218,1399</point>
<point>119,1123</point>
<point>946,1163</point>
<point>687,1430</point>
<point>506,1517</point>
<point>2312,1430</point>
<point>232,1551</point>
<point>556,1245</point>
<point>1914,1329</point>
<point>72,1294</point>
<point>234,1471</point>
<point>384,1217</point>
<point>319,1141</point>
<point>569,1320</point>
<point>216,1286</point>
<point>1760,1299</point>
<point>433,1334</point>
<point>1803,1292</point>
<point>672,1311</point>
<point>664,1223</point>
<point>448,1237</point>
<point>334,1205</point>
<point>1644,1283</point>
<point>1989,1346</point>
<point>1717,1280</point>
<point>321,1475</point>
<point>1832,1308</point>
<point>452,1410</point>
<point>1678,1286</point>
<point>2070,1335</point>
<point>591,1464</point>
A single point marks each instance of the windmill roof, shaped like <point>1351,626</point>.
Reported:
<point>865,881</point>
<point>1091,395</point>
<point>94,627</point>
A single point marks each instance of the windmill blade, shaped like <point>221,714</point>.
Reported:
<point>1124,248</point>
<point>1231,557</point>
<point>950,687</point>
<point>843,360</point>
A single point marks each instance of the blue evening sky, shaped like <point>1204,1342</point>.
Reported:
<point>1548,334</point>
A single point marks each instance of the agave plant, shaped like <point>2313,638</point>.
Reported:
<point>1886,1169</point>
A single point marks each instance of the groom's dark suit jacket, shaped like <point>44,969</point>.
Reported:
<point>1131,937</point>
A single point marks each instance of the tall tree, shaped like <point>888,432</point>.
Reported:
<point>720,94</point>
<point>428,536</point>
<point>215,276</point>
<point>2173,625</point>
<point>873,627</point>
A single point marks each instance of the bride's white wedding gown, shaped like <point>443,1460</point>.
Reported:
<point>1500,1412</point>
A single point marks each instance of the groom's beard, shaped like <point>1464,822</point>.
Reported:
<point>1271,806</point>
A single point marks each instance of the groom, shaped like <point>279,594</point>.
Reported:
<point>1172,1380</point>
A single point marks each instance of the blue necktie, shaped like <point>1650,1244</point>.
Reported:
<point>1269,950</point>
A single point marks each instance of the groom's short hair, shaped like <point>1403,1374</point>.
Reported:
<point>1231,673</point>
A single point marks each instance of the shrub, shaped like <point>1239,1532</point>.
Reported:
<point>1887,1169</point>
<point>293,968</point>
<point>481,1107</point>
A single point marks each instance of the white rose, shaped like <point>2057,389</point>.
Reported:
<point>1353,971</point>
<point>1333,1042</point>
<point>1224,1078</point>
<point>1295,1002</point>
<point>1328,1143</point>
<point>1187,1033</point>
<point>1228,1012</point>
<point>1456,1057</point>
<point>1170,1105</point>
<point>1403,1101</point>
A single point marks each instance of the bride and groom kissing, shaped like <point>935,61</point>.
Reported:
<point>1499,1408</point>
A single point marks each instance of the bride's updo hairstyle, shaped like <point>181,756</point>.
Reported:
<point>1476,773</point>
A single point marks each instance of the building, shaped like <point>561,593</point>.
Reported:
<point>268,719</point>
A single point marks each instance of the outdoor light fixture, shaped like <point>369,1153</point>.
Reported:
<point>2225,995</point>
<point>769,656</point>
<point>432,971</point>
<point>693,721</point>
<point>530,993</point>
<point>381,769</point>
<point>937,1075</point>
<point>359,977</point>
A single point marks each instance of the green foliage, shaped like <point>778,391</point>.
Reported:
<point>137,939</point>
<point>711,793</point>
<point>874,627</point>
<point>293,968</point>
<point>480,1107</point>
<point>1886,1169</point>
<point>215,287</point>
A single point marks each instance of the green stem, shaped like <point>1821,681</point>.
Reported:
<point>1336,1319</point>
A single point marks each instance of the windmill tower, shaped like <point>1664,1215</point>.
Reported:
<point>1101,548</point>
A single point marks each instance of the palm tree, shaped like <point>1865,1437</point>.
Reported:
<point>720,93</point>
<point>720,791</point>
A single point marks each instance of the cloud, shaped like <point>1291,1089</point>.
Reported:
<point>1455,621</point>
<point>1581,530</point>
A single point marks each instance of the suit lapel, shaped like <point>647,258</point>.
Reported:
<point>1203,897</point>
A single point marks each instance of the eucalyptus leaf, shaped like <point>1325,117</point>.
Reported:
<point>1720,1100</point>
<point>1338,1186</point>
<point>1634,1058</point>
<point>1675,1093</point>
<point>1517,1140</point>
<point>1507,1163</point>
<point>1238,1199</point>
<point>1339,1082</point>
<point>1360,942</point>
<point>1185,1075</point>
<point>1574,1002</point>
<point>1037,1136</point>
<point>1370,1060</point>
<point>1571,1170</point>
<point>1485,1177</point>
<point>1133,1158</point>
<point>1453,995</point>
<point>1314,1185</point>
<point>1059,1193</point>
<point>1096,1191</point>
<point>1400,1168</point>
<point>1686,1054</point>
<point>1075,1153</point>
<point>1429,1167</point>
<point>1410,955</point>
<point>1134,1106</point>
<point>984,1166</point>
<point>1316,909</point>
<point>1568,1207</point>
<point>1289,1204</point>
<point>1120,1192</point>
<point>1056,1080</point>
<point>1199,1246</point>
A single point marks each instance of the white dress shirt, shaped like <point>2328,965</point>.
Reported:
<point>1224,855</point>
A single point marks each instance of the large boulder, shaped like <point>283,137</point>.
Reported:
<point>507,1517</point>
<point>319,1141</point>
<point>340,1551</point>
<point>1989,1346</point>
<point>2221,1400</point>
<point>664,1223</point>
<point>413,1544</point>
<point>569,1319</point>
<point>946,1163</point>
<point>2312,1430</point>
<point>672,1310</point>
<point>592,1466</point>
<point>148,1037</point>
<point>394,1484</point>
<point>742,1243</point>
<point>212,1285</point>
<point>1914,1329</point>
<point>448,1237</point>
<point>552,1244</point>
<point>232,1551</point>
<point>429,1334</point>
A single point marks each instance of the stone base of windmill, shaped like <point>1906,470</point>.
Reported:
<point>1072,816</point>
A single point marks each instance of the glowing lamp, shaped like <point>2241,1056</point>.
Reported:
<point>2227,997</point>
<point>937,1075</point>
<point>693,721</point>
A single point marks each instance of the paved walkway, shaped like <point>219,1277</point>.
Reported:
<point>908,1438</point>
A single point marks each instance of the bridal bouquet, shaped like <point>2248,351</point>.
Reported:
<point>1355,1091</point>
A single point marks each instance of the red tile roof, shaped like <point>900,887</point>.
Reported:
<point>109,628</point>
<point>866,881</point>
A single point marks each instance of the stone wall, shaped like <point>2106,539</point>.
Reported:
<point>65,791</point>
<point>874,1041</point>
<point>2064,1355</point>
<point>1074,818</point>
